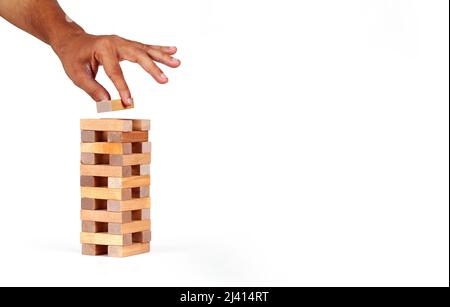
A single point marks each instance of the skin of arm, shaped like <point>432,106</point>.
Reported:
<point>81,53</point>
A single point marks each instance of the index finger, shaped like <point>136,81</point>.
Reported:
<point>114,72</point>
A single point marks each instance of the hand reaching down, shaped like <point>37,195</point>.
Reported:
<point>82,54</point>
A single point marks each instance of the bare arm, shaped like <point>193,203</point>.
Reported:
<point>81,53</point>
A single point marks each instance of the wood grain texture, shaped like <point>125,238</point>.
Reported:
<point>127,137</point>
<point>128,182</point>
<point>107,148</point>
<point>105,170</point>
<point>106,193</point>
<point>128,205</point>
<point>101,238</point>
<point>142,237</point>
<point>132,227</point>
<point>93,204</point>
<point>112,105</point>
<point>132,159</point>
<point>94,250</point>
<point>105,216</point>
<point>130,250</point>
<point>107,124</point>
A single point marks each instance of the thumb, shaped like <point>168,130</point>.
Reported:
<point>92,88</point>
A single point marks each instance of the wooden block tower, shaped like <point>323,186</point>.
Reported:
<point>115,187</point>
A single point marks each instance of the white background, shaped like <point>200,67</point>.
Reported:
<point>301,143</point>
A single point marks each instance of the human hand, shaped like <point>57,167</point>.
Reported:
<point>81,55</point>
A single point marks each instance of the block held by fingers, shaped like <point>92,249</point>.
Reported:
<point>112,105</point>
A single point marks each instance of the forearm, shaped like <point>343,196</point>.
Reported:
<point>43,19</point>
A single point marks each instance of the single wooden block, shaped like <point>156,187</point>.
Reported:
<point>112,105</point>
<point>142,147</point>
<point>89,226</point>
<point>105,170</point>
<point>132,159</point>
<point>107,148</point>
<point>135,226</point>
<point>127,137</point>
<point>101,238</point>
<point>94,250</point>
<point>140,170</point>
<point>141,214</point>
<point>93,204</point>
<point>141,124</point>
<point>92,181</point>
<point>140,192</point>
<point>106,193</point>
<point>105,216</point>
<point>142,237</point>
<point>128,205</point>
<point>131,250</point>
<point>94,159</point>
<point>128,182</point>
<point>90,136</point>
<point>107,124</point>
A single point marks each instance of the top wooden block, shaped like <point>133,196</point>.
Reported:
<point>107,124</point>
<point>112,105</point>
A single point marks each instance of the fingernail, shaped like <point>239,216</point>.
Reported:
<point>175,60</point>
<point>163,76</point>
<point>129,102</point>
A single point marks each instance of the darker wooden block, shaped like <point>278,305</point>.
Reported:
<point>93,181</point>
<point>94,250</point>
<point>142,237</point>
<point>143,147</point>
<point>93,204</point>
<point>94,159</point>
<point>127,137</point>
<point>89,226</point>
<point>141,214</point>
<point>140,192</point>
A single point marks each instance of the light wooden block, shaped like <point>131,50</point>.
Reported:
<point>101,238</point>
<point>127,137</point>
<point>132,227</point>
<point>131,250</point>
<point>142,237</point>
<point>142,170</point>
<point>141,124</point>
<point>94,250</point>
<point>128,182</point>
<point>106,193</point>
<point>105,170</point>
<point>89,226</point>
<point>88,158</point>
<point>107,148</point>
<point>112,105</point>
<point>105,216</point>
<point>107,124</point>
<point>132,159</point>
<point>128,205</point>
<point>93,204</point>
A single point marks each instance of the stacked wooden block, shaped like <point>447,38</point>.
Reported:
<point>115,187</point>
